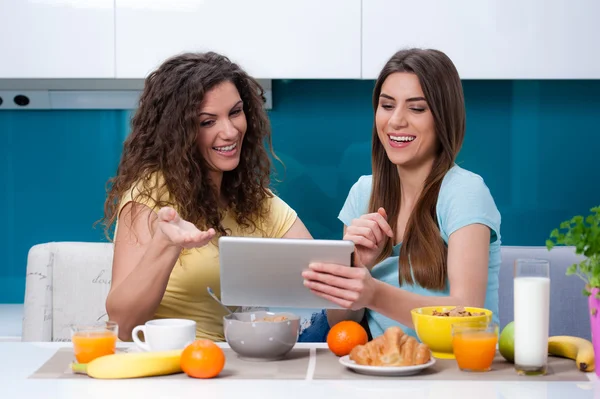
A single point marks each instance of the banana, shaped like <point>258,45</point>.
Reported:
<point>579,349</point>
<point>131,365</point>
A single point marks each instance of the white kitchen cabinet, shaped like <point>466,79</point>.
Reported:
<point>57,39</point>
<point>270,39</point>
<point>486,39</point>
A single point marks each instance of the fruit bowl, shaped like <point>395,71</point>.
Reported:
<point>261,335</point>
<point>436,331</point>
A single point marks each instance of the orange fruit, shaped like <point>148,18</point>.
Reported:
<point>344,336</point>
<point>202,359</point>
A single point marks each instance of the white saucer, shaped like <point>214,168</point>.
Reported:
<point>385,371</point>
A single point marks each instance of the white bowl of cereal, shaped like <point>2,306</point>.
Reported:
<point>261,335</point>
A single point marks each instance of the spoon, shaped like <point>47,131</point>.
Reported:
<point>211,293</point>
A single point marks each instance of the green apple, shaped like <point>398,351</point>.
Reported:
<point>506,344</point>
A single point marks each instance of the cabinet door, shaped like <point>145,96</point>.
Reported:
<point>57,39</point>
<point>503,39</point>
<point>270,39</point>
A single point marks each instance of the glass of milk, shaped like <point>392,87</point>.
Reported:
<point>532,315</point>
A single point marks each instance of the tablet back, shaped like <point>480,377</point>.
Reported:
<point>268,271</point>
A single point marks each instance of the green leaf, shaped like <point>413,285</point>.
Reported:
<point>591,220</point>
<point>595,281</point>
<point>595,269</point>
<point>586,292</point>
<point>590,251</point>
<point>578,231</point>
<point>583,233</point>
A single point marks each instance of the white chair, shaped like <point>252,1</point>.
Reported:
<point>67,282</point>
<point>568,306</point>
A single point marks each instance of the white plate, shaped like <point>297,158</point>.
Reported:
<point>385,371</point>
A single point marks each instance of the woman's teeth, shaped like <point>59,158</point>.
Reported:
<point>225,148</point>
<point>402,138</point>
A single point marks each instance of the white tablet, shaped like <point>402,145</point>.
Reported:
<point>268,271</point>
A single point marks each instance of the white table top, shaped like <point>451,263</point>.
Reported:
<point>11,320</point>
<point>18,360</point>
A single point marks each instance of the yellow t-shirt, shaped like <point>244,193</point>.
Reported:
<point>196,269</point>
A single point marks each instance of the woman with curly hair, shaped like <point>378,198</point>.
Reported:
<point>194,168</point>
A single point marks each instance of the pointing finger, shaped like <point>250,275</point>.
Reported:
<point>383,224</point>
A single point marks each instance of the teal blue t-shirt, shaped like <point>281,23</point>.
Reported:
<point>464,199</point>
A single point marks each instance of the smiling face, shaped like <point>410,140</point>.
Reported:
<point>404,122</point>
<point>222,129</point>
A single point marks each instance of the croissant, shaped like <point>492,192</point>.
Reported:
<point>392,349</point>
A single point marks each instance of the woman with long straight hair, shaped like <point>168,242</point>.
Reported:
<point>427,232</point>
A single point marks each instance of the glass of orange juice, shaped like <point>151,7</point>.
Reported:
<point>474,345</point>
<point>94,340</point>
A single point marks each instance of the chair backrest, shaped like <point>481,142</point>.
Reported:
<point>67,283</point>
<point>568,306</point>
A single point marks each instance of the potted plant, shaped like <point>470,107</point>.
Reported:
<point>583,233</point>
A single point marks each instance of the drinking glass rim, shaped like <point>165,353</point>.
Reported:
<point>475,326</point>
<point>100,325</point>
<point>532,260</point>
<point>531,267</point>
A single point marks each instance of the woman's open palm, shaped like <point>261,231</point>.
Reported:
<point>181,232</point>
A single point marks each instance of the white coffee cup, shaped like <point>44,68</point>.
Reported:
<point>165,334</point>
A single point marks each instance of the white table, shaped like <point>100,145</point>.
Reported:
<point>18,360</point>
<point>11,320</point>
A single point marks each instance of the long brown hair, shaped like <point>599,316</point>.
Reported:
<point>423,250</point>
<point>163,139</point>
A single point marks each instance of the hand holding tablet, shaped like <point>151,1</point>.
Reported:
<point>268,271</point>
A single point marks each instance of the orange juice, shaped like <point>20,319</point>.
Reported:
<point>89,345</point>
<point>475,350</point>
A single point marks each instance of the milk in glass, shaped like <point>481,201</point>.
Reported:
<point>531,316</point>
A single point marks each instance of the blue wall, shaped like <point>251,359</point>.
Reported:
<point>534,142</point>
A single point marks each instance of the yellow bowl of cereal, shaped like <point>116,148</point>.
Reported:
<point>433,325</point>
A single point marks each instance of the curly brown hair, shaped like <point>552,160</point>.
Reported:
<point>163,140</point>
